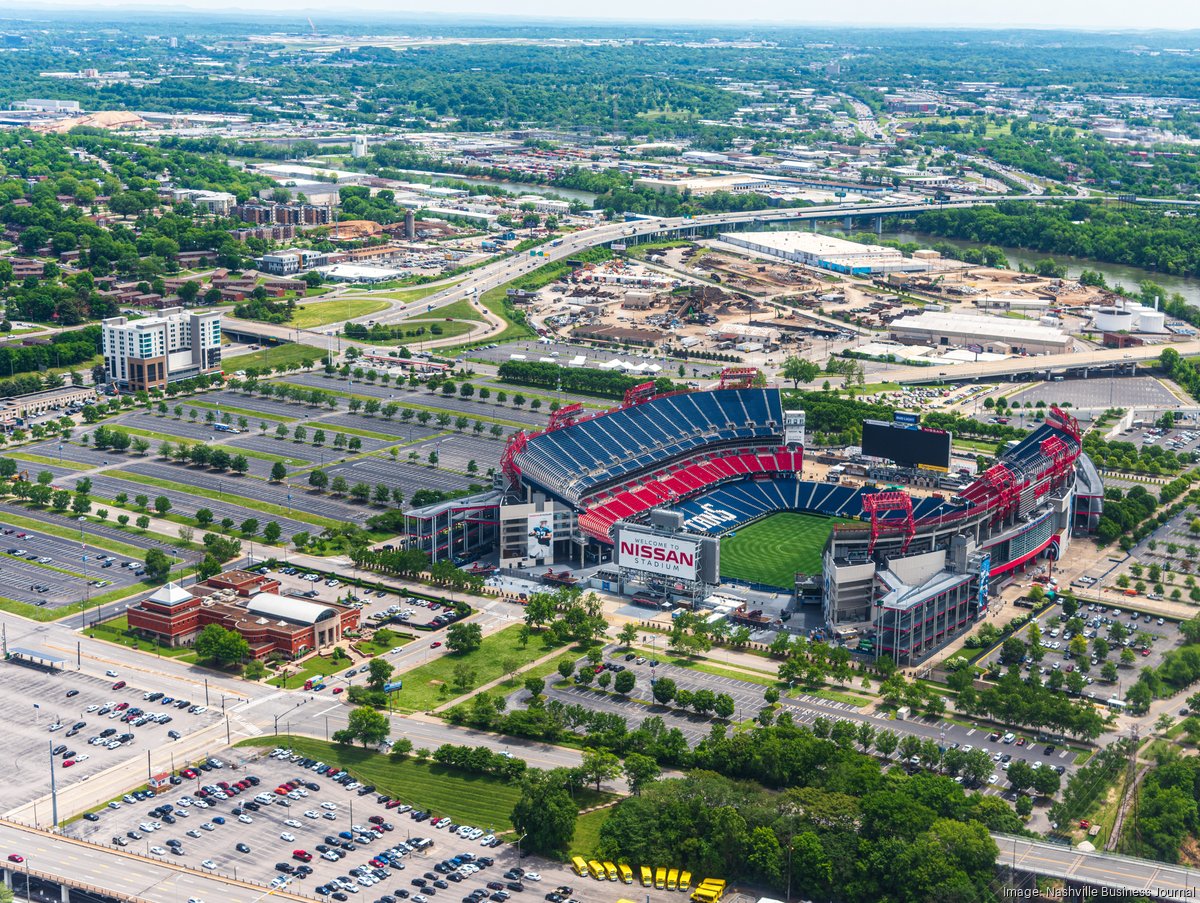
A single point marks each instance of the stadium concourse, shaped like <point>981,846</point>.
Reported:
<point>898,575</point>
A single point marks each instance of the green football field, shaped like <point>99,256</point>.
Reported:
<point>774,549</point>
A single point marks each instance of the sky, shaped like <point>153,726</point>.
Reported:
<point>1081,14</point>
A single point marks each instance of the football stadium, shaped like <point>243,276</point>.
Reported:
<point>677,493</point>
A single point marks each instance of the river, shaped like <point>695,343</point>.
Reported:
<point>1115,273</point>
<point>569,194</point>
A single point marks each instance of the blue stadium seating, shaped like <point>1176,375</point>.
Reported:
<point>574,459</point>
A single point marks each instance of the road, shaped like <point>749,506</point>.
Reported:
<point>1155,879</point>
<point>1104,357</point>
<point>503,271</point>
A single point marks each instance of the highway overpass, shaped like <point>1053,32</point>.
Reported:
<point>115,873</point>
<point>1079,364</point>
<point>1108,871</point>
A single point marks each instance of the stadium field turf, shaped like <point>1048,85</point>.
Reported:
<point>774,549</point>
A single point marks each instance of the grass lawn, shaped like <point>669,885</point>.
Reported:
<point>317,666</point>
<point>774,549</point>
<point>468,798</point>
<point>63,532</point>
<point>117,631</point>
<point>587,833</point>
<point>375,646</point>
<point>276,356</point>
<point>408,296</point>
<point>232,497</point>
<point>239,412</point>
<point>460,310</point>
<point>449,330</point>
<point>336,310</point>
<point>433,683</point>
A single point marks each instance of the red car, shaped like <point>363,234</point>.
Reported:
<point>120,684</point>
<point>376,819</point>
<point>122,706</point>
<point>188,773</point>
<point>337,690</point>
<point>13,857</point>
<point>435,644</point>
<point>67,763</point>
<point>302,855</point>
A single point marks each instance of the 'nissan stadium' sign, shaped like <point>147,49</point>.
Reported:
<point>669,556</point>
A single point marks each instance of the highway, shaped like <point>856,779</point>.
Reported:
<point>504,270</point>
<point>1154,879</point>
<point>990,370</point>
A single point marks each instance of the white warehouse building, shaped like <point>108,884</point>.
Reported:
<point>824,251</point>
<point>999,335</point>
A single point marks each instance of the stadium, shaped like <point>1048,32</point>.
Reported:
<point>903,572</point>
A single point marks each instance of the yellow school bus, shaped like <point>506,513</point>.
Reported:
<point>685,881</point>
<point>580,866</point>
<point>703,894</point>
<point>647,876</point>
<point>672,879</point>
<point>610,871</point>
<point>626,873</point>
<point>596,870</point>
<point>660,878</point>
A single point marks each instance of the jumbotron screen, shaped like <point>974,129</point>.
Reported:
<point>907,446</point>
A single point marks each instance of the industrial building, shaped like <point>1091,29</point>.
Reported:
<point>151,352</point>
<point>998,335</point>
<point>824,251</point>
<point>20,407</point>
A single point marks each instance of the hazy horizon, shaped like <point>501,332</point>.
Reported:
<point>1076,15</point>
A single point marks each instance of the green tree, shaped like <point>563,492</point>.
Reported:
<point>599,765</point>
<point>545,813</point>
<point>379,672</point>
<point>640,771</point>
<point>462,637</point>
<point>158,566</point>
<point>368,726</point>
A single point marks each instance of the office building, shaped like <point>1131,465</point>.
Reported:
<point>154,351</point>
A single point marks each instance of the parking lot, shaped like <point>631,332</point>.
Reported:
<point>1098,394</point>
<point>1148,636</point>
<point>246,838</point>
<point>35,699</point>
<point>45,570</point>
<point>804,709</point>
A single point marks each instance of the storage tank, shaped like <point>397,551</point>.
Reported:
<point>1148,320</point>
<point>1112,319</point>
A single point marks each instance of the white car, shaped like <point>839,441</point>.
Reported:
<point>330,856</point>
<point>312,813</point>
<point>147,827</point>
<point>487,840</point>
<point>292,823</point>
<point>193,833</point>
<point>245,819</point>
<point>209,864</point>
<point>208,826</point>
<point>531,876</point>
<point>158,851</point>
<point>992,779</point>
<point>200,804</point>
<point>329,816</point>
<point>93,707</point>
<point>289,837</point>
<point>110,673</point>
<point>328,805</point>
<point>56,726</point>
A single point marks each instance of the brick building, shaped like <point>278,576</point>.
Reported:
<point>245,602</point>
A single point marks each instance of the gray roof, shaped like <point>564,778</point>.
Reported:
<point>297,611</point>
